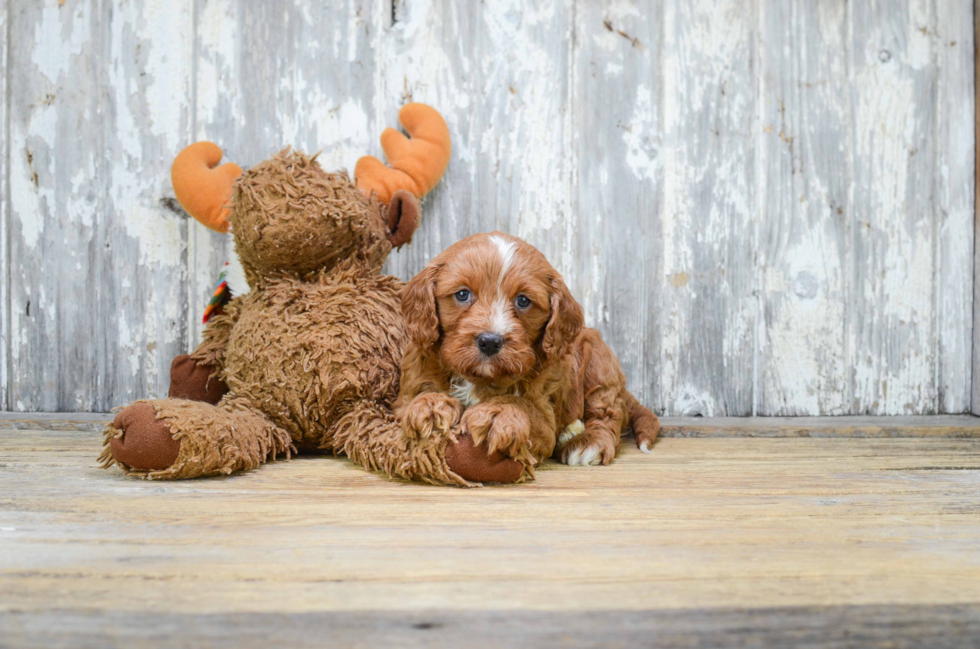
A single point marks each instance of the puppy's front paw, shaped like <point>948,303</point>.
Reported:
<point>579,447</point>
<point>431,414</point>
<point>505,427</point>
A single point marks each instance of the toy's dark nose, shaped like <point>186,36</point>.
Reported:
<point>489,344</point>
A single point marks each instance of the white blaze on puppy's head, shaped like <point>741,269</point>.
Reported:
<point>501,322</point>
<point>506,251</point>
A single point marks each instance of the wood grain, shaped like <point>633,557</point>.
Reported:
<point>501,73</point>
<point>769,530</point>
<point>4,207</point>
<point>708,311</point>
<point>96,302</point>
<point>57,175</point>
<point>271,75</point>
<point>147,69</point>
<point>954,195</point>
<point>803,248</point>
<point>766,207</point>
<point>899,220</point>
<point>617,221</point>
<point>896,627</point>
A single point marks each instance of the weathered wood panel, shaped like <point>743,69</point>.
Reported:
<point>950,626</point>
<point>802,246</point>
<point>146,72</point>
<point>501,74</point>
<point>975,392</point>
<point>953,191</point>
<point>4,203</point>
<point>271,75</point>
<point>901,214</point>
<point>617,220</point>
<point>708,310</point>
<point>97,295</point>
<point>57,197</point>
<point>766,207</point>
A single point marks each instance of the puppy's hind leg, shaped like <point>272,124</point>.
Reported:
<point>644,423</point>
<point>595,439</point>
<point>590,443</point>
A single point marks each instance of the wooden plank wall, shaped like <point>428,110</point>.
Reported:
<point>767,207</point>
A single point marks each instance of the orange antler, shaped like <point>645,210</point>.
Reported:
<point>203,188</point>
<point>417,164</point>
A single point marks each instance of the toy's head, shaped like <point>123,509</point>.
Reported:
<point>289,215</point>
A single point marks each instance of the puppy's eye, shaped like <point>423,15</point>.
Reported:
<point>463,295</point>
<point>522,301</point>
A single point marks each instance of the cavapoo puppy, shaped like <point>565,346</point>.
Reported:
<point>498,350</point>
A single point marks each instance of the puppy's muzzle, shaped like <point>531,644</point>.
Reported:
<point>489,343</point>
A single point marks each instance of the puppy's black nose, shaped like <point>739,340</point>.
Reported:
<point>489,344</point>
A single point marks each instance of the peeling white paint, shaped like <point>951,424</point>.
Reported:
<point>640,136</point>
<point>71,33</point>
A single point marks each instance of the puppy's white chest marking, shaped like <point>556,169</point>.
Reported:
<point>462,391</point>
<point>465,392</point>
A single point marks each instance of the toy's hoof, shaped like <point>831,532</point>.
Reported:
<point>194,381</point>
<point>146,443</point>
<point>473,463</point>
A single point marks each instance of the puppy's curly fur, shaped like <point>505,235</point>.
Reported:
<point>498,349</point>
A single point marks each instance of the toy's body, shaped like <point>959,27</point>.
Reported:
<point>330,344</point>
<point>307,360</point>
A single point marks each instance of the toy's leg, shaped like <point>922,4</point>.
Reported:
<point>371,436</point>
<point>193,380</point>
<point>177,438</point>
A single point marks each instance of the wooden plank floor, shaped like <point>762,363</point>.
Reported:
<point>819,539</point>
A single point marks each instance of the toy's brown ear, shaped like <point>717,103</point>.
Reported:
<point>404,214</point>
<point>419,307</point>
<point>202,187</point>
<point>565,323</point>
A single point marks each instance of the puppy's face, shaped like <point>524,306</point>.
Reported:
<point>493,306</point>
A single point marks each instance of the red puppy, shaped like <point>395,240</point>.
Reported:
<point>498,351</point>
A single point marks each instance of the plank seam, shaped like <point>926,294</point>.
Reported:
<point>102,28</point>
<point>937,219</point>
<point>5,400</point>
<point>850,262</point>
<point>190,238</point>
<point>974,387</point>
<point>758,269</point>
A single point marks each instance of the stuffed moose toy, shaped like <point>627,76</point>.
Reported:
<point>307,360</point>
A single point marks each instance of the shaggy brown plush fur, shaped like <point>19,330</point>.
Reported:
<point>499,350</point>
<point>311,355</point>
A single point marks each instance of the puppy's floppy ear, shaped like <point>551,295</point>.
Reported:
<point>565,323</point>
<point>419,307</point>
